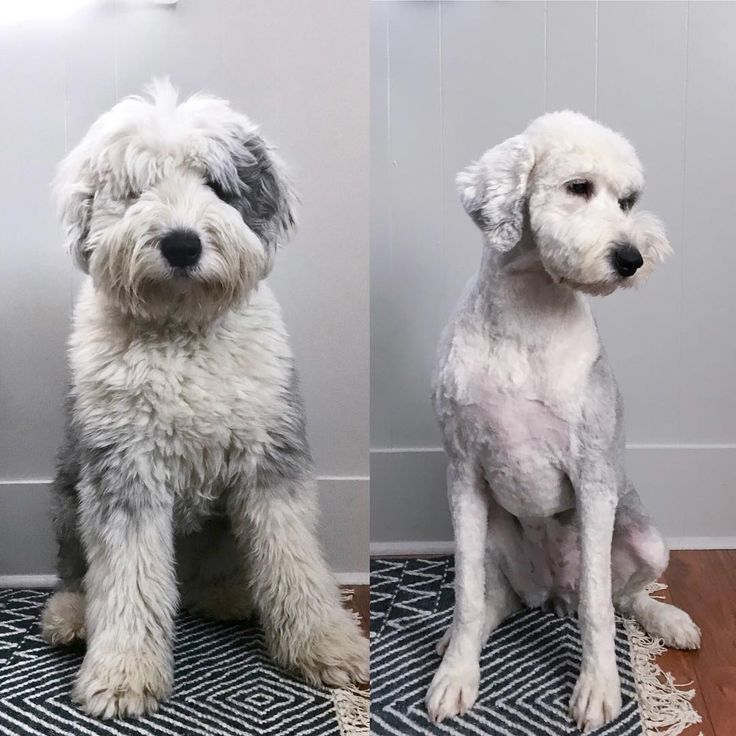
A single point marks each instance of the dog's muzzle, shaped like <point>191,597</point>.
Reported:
<point>626,260</point>
<point>181,248</point>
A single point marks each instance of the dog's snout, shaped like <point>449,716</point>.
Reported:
<point>626,259</point>
<point>181,248</point>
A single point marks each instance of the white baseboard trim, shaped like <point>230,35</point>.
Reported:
<point>410,549</point>
<point>353,578</point>
<point>400,549</point>
<point>27,581</point>
<point>701,542</point>
<point>629,446</point>
<point>49,581</point>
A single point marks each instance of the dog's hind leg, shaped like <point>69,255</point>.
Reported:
<point>639,557</point>
<point>62,621</point>
<point>454,687</point>
<point>294,593</point>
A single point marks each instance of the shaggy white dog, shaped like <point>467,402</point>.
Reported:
<point>185,449</point>
<point>542,509</point>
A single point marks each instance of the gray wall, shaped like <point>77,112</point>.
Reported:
<point>451,79</point>
<point>301,71</point>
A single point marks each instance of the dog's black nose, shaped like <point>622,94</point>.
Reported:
<point>181,248</point>
<point>626,260</point>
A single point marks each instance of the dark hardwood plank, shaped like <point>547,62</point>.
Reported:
<point>682,667</point>
<point>703,582</point>
<point>360,603</point>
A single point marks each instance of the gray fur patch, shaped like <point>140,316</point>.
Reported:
<point>71,562</point>
<point>286,455</point>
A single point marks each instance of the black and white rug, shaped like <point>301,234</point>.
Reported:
<point>224,685</point>
<point>528,668</point>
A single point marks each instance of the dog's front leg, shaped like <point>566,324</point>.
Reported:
<point>296,596</point>
<point>131,599</point>
<point>455,685</point>
<point>596,698</point>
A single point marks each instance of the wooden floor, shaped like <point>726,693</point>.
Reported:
<point>704,584</point>
<point>360,603</point>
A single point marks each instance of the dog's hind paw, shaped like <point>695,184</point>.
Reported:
<point>121,684</point>
<point>441,646</point>
<point>453,691</point>
<point>671,624</point>
<point>62,621</point>
<point>596,699</point>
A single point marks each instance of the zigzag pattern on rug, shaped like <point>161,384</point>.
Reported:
<point>225,684</point>
<point>528,668</point>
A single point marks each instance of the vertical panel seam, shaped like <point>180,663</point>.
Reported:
<point>596,60</point>
<point>116,47</point>
<point>440,33</point>
<point>546,65</point>
<point>681,341</point>
<point>389,175</point>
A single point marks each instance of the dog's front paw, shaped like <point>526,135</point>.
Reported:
<point>116,684</point>
<point>336,654</point>
<point>596,698</point>
<point>453,691</point>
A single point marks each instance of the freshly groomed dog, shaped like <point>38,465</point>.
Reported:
<point>542,509</point>
<point>185,467</point>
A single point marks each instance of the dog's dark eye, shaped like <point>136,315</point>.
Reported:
<point>626,203</point>
<point>580,188</point>
<point>219,190</point>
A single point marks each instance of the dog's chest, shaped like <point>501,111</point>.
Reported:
<point>187,410</point>
<point>524,402</point>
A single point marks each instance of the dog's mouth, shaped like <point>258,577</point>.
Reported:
<point>183,273</point>
<point>593,288</point>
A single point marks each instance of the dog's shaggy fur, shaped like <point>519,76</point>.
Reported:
<point>185,467</point>
<point>543,511</point>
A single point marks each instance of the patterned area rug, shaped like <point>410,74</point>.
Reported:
<point>224,685</point>
<point>528,668</point>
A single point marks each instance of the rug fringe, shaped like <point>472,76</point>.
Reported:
<point>353,711</point>
<point>352,706</point>
<point>665,706</point>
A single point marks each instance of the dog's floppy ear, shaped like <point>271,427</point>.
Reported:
<point>268,201</point>
<point>74,193</point>
<point>493,190</point>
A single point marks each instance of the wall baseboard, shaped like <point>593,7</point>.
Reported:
<point>701,542</point>
<point>412,549</point>
<point>353,578</point>
<point>27,581</point>
<point>49,581</point>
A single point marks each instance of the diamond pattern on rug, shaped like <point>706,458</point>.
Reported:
<point>528,668</point>
<point>224,684</point>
